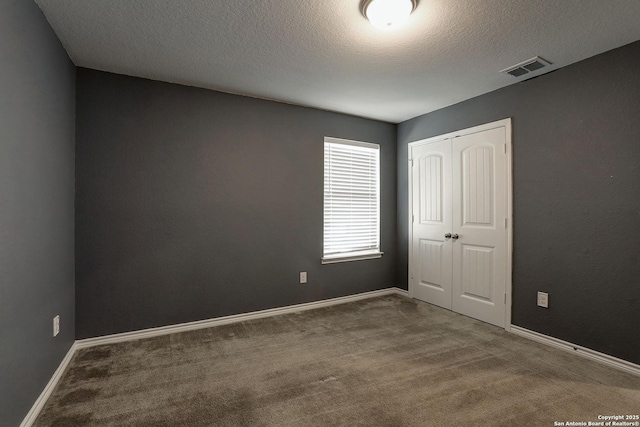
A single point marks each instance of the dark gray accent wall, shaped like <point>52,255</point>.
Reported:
<point>194,204</point>
<point>576,163</point>
<point>37,127</point>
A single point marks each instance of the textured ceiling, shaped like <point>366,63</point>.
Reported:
<point>324,54</point>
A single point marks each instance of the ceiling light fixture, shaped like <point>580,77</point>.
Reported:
<point>388,14</point>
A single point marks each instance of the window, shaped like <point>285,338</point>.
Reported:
<point>351,200</point>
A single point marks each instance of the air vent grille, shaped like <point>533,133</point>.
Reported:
<point>526,67</point>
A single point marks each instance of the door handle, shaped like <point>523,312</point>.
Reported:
<point>447,236</point>
<point>455,237</point>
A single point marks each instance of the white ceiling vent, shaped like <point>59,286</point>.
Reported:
<point>526,67</point>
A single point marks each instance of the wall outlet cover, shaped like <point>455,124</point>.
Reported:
<point>303,277</point>
<point>56,325</point>
<point>543,299</point>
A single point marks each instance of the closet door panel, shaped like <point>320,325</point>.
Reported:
<point>479,227</point>
<point>431,220</point>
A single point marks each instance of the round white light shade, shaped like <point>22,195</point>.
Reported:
<point>388,14</point>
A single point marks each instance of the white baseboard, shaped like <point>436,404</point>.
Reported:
<point>605,359</point>
<point>218,321</point>
<point>401,292</point>
<point>51,385</point>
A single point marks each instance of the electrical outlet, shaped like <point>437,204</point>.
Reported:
<point>303,277</point>
<point>543,299</point>
<point>56,325</point>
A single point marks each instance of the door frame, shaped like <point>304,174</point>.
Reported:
<point>505,123</point>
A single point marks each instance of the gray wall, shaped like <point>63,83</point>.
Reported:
<point>194,204</point>
<point>576,160</point>
<point>37,126</point>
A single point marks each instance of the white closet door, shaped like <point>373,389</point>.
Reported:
<point>431,251</point>
<point>479,215</point>
<point>460,205</point>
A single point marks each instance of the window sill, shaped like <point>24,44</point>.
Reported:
<point>347,258</point>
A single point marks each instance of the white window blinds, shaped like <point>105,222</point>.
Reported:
<point>351,200</point>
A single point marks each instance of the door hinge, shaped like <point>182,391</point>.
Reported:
<point>413,218</point>
<point>505,298</point>
<point>506,223</point>
<point>411,161</point>
<point>505,148</point>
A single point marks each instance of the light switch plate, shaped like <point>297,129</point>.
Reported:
<point>303,277</point>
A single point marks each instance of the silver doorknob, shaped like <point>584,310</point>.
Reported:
<point>447,236</point>
<point>455,237</point>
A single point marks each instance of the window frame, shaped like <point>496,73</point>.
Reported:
<point>353,255</point>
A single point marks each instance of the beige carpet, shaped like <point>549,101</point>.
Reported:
<point>386,361</point>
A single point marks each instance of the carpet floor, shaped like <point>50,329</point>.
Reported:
<point>387,361</point>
